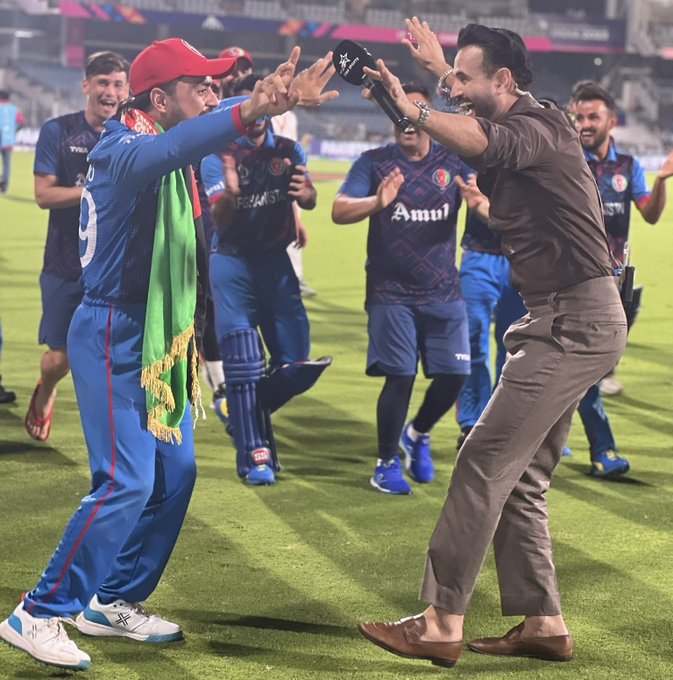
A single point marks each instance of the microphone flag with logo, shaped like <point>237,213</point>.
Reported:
<point>349,59</point>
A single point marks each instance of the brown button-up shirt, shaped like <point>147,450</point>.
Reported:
<point>544,200</point>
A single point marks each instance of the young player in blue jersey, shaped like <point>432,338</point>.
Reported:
<point>408,191</point>
<point>60,168</point>
<point>621,182</point>
<point>252,187</point>
<point>211,364</point>
<point>131,346</point>
<point>286,126</point>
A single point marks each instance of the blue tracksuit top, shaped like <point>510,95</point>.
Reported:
<point>119,201</point>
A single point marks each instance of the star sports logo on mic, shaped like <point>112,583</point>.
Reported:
<point>350,59</point>
<point>346,64</point>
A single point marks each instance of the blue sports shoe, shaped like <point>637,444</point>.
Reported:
<point>609,465</point>
<point>388,477</point>
<point>261,473</point>
<point>418,461</point>
<point>567,452</point>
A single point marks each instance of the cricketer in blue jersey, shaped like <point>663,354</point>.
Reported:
<point>211,364</point>
<point>131,346</point>
<point>252,187</point>
<point>408,191</point>
<point>11,120</point>
<point>621,182</point>
<point>60,168</point>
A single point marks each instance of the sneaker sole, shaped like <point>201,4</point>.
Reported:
<point>92,629</point>
<point>372,481</point>
<point>612,474</point>
<point>259,481</point>
<point>11,638</point>
<point>615,474</point>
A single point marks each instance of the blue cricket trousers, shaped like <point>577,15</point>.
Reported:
<point>489,295</point>
<point>120,538</point>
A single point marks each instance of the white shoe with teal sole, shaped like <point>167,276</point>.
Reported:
<point>44,639</point>
<point>125,619</point>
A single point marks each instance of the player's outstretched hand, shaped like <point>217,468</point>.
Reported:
<point>310,83</point>
<point>389,188</point>
<point>271,95</point>
<point>473,196</point>
<point>281,90</point>
<point>424,46</point>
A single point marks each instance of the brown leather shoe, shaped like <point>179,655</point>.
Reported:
<point>403,638</point>
<point>555,648</point>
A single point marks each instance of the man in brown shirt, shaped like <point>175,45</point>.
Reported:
<point>545,204</point>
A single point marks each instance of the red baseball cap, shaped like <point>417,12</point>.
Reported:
<point>166,60</point>
<point>236,53</point>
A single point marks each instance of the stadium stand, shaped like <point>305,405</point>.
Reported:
<point>43,88</point>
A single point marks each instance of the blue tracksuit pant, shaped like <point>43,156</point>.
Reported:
<point>596,422</point>
<point>120,538</point>
<point>489,295</point>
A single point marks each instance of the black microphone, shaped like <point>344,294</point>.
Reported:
<point>349,59</point>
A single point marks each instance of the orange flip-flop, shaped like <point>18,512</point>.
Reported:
<point>39,422</point>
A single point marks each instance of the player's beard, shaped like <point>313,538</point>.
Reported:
<point>597,140</point>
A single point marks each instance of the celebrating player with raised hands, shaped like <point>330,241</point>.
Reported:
<point>132,345</point>
<point>545,203</point>
<point>426,50</point>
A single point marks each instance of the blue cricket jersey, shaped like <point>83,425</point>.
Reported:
<point>119,203</point>
<point>62,149</point>
<point>411,246</point>
<point>264,218</point>
<point>620,179</point>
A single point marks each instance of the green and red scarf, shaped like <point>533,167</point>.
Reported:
<point>169,342</point>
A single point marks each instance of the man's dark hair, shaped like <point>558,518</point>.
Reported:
<point>588,90</point>
<point>103,63</point>
<point>4,94</point>
<point>502,48</point>
<point>245,84</point>
<point>417,87</point>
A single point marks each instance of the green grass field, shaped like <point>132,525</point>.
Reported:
<point>270,582</point>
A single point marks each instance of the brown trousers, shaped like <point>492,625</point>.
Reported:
<point>567,342</point>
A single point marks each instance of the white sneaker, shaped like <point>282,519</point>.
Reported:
<point>125,619</point>
<point>44,639</point>
<point>610,387</point>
